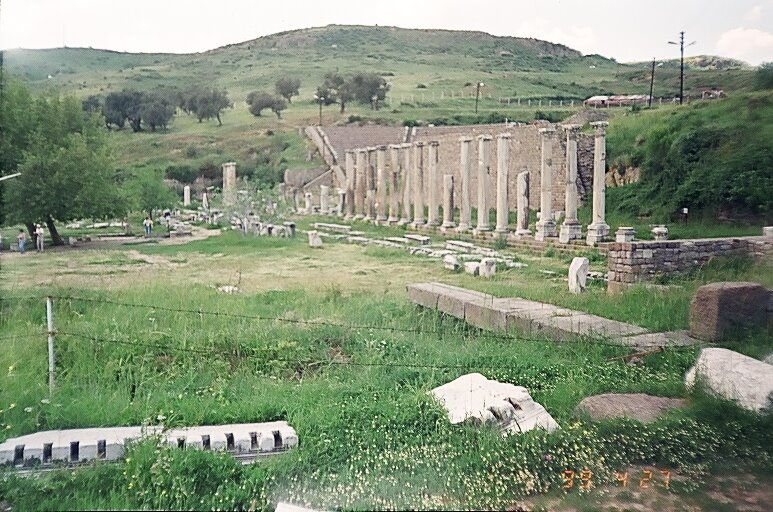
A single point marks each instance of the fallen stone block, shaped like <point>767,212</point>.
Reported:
<point>419,239</point>
<point>718,310</point>
<point>488,267</point>
<point>450,262</point>
<point>578,273</point>
<point>338,228</point>
<point>314,239</point>
<point>742,379</point>
<point>476,399</point>
<point>460,246</point>
<point>472,267</point>
<point>638,406</point>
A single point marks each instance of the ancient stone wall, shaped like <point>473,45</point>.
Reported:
<point>525,154</point>
<point>633,262</point>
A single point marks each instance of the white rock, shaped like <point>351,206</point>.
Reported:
<point>734,376</point>
<point>450,262</point>
<point>229,289</point>
<point>488,267</point>
<point>768,359</point>
<point>476,398</point>
<point>578,273</point>
<point>314,239</point>
<point>472,267</point>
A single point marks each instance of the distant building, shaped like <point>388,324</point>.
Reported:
<point>712,94</point>
<point>616,101</point>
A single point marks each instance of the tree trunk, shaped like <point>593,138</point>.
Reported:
<point>219,122</point>
<point>30,230</point>
<point>343,107</point>
<point>55,238</point>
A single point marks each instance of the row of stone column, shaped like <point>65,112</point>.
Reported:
<point>373,192</point>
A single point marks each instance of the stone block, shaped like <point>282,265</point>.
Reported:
<point>314,239</point>
<point>488,267</point>
<point>578,273</point>
<point>767,231</point>
<point>450,262</point>
<point>734,376</point>
<point>718,310</point>
<point>424,294</point>
<point>624,234</point>
<point>645,408</point>
<point>482,313</point>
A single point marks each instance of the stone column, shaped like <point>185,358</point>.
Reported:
<point>484,141</point>
<point>546,226</point>
<point>381,184</point>
<point>324,203</point>
<point>465,167</point>
<point>418,184</point>
<point>571,229</point>
<point>370,183</point>
<point>341,202</point>
<point>523,204</point>
<point>229,182</point>
<point>394,183</point>
<point>598,230</point>
<point>448,202</point>
<point>406,184</point>
<point>309,207</point>
<point>503,161</point>
<point>187,195</point>
<point>433,188</point>
<point>349,185</point>
<point>359,184</point>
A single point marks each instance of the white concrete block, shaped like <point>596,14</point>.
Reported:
<point>578,273</point>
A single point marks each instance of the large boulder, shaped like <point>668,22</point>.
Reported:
<point>734,376</point>
<point>720,309</point>
<point>578,274</point>
<point>475,398</point>
<point>638,406</point>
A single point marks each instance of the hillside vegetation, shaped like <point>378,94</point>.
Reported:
<point>713,157</point>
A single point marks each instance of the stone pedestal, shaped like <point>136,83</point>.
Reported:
<point>187,195</point>
<point>324,200</point>
<point>465,166</point>
<point>522,199</point>
<point>370,205</point>
<point>448,201</point>
<point>341,202</point>
<point>359,184</point>
<point>484,142</point>
<point>394,184</point>
<point>659,233</point>
<point>546,226</point>
<point>625,234</point>
<point>406,185</point>
<point>598,230</point>
<point>349,169</point>
<point>229,183</point>
<point>433,188</point>
<point>418,184</point>
<point>571,228</point>
<point>381,184</point>
<point>503,162</point>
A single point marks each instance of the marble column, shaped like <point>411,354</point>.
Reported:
<point>522,200</point>
<point>406,184</point>
<point>448,201</point>
<point>598,230</point>
<point>381,184</point>
<point>324,203</point>
<point>309,208</point>
<point>546,226</point>
<point>341,202</point>
<point>187,195</point>
<point>571,228</point>
<point>394,183</point>
<point>465,167</point>
<point>433,188</point>
<point>418,184</point>
<point>370,183</point>
<point>359,184</point>
<point>349,185</point>
<point>503,162</point>
<point>229,183</point>
<point>484,142</point>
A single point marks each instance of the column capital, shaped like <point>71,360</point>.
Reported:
<point>434,143</point>
<point>361,150</point>
<point>505,135</point>
<point>548,130</point>
<point>350,151</point>
<point>465,138</point>
<point>600,126</point>
<point>418,144</point>
<point>406,145</point>
<point>370,149</point>
<point>395,146</point>
<point>485,136</point>
<point>570,128</point>
<point>382,147</point>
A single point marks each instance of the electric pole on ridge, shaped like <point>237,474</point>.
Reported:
<point>681,64</point>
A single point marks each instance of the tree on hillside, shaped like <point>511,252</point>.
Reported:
<point>258,101</point>
<point>287,88</point>
<point>339,87</point>
<point>147,192</point>
<point>157,111</point>
<point>207,103</point>
<point>124,106</point>
<point>92,104</point>
<point>763,77</point>
<point>66,169</point>
<point>369,89</point>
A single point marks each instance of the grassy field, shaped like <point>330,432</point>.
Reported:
<point>327,340</point>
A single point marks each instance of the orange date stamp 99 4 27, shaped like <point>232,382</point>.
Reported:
<point>648,479</point>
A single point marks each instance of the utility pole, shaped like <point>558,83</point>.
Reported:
<point>652,84</point>
<point>681,64</point>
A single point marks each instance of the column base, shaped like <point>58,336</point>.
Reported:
<point>381,218</point>
<point>417,224</point>
<point>570,231</point>
<point>523,233</point>
<point>447,227</point>
<point>501,232</point>
<point>481,231</point>
<point>545,230</point>
<point>392,220</point>
<point>348,216</point>
<point>463,228</point>
<point>403,222</point>
<point>597,233</point>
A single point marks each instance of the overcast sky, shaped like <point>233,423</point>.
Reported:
<point>621,29</point>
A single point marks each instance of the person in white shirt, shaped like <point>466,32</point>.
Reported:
<point>148,223</point>
<point>39,238</point>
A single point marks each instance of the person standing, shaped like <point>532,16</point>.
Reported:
<point>21,240</point>
<point>148,223</point>
<point>39,238</point>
